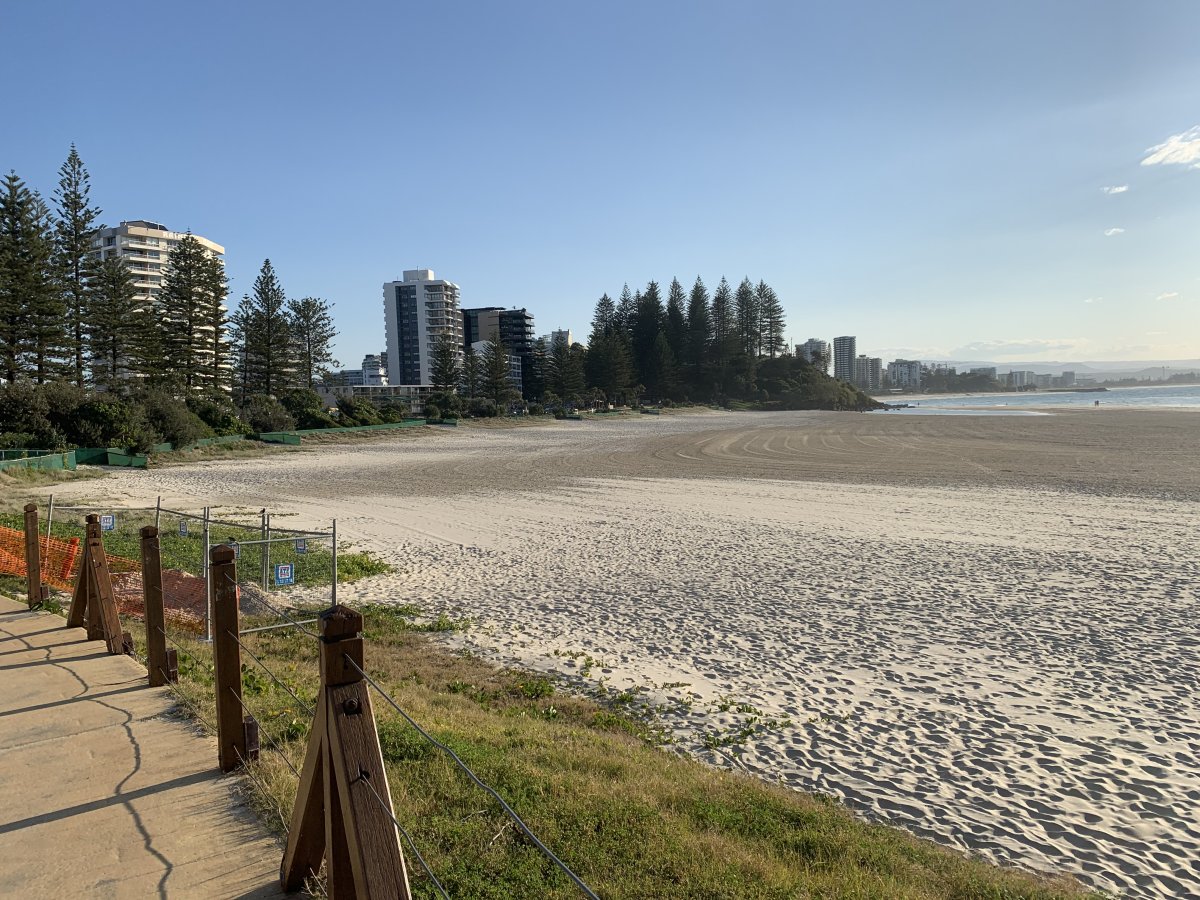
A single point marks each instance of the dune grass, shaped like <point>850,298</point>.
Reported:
<point>632,819</point>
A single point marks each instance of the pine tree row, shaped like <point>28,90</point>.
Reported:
<point>66,314</point>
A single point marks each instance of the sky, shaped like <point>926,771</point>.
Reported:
<point>944,180</point>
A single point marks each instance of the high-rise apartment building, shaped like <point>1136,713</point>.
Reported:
<point>514,328</point>
<point>904,374</point>
<point>816,352</point>
<point>145,248</point>
<point>868,373</point>
<point>419,311</point>
<point>845,349</point>
<point>373,370</point>
<point>562,334</point>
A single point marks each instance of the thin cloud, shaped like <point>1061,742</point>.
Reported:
<point>1168,295</point>
<point>1115,189</point>
<point>1018,348</point>
<point>1110,232</point>
<point>1177,150</point>
<point>1093,299</point>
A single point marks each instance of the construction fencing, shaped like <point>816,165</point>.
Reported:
<point>273,559</point>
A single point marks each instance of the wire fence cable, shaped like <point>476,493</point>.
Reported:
<point>512,813</point>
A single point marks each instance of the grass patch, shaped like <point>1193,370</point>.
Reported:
<point>313,566</point>
<point>632,820</point>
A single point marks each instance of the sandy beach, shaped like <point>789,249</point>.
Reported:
<point>978,628</point>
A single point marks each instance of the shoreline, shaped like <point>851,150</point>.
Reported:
<point>899,605</point>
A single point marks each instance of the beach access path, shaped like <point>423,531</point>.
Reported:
<point>106,794</point>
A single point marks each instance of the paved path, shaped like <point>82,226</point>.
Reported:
<point>102,792</point>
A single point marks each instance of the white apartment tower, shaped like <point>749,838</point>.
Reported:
<point>904,374</point>
<point>845,349</point>
<point>816,352</point>
<point>145,247</point>
<point>418,311</point>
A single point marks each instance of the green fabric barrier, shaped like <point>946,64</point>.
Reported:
<point>50,462</point>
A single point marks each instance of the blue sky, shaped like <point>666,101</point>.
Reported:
<point>928,176</point>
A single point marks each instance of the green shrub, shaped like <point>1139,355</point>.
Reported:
<point>536,409</point>
<point>263,413</point>
<point>432,412</point>
<point>216,411</point>
<point>484,408</point>
<point>355,411</point>
<point>307,408</point>
<point>172,419</point>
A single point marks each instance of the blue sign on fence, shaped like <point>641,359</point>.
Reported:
<point>108,523</point>
<point>183,527</point>
<point>284,574</point>
<point>301,545</point>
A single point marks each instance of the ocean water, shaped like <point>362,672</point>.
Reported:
<point>1163,396</point>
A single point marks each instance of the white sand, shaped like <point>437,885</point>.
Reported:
<point>1008,670</point>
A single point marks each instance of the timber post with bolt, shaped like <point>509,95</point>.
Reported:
<point>343,812</point>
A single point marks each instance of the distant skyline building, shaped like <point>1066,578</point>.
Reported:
<point>868,372</point>
<point>904,374</point>
<point>418,311</point>
<point>816,352</point>
<point>373,370</point>
<point>514,327</point>
<point>845,350</point>
<point>563,333</point>
<point>989,371</point>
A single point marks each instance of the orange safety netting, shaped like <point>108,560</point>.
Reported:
<point>59,558</point>
<point>184,595</point>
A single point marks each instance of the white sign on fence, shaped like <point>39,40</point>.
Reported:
<point>108,523</point>
<point>284,574</point>
<point>301,545</point>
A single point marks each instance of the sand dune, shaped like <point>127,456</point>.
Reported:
<point>979,629</point>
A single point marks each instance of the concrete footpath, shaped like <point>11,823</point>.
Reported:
<point>103,793</point>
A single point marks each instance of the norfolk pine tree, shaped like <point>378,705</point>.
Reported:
<point>114,324</point>
<point>771,319</point>
<point>496,371</point>
<point>698,337</point>
<point>472,373</point>
<point>444,370</point>
<point>75,228</point>
<point>185,310</point>
<point>31,313</point>
<point>265,332</point>
<point>313,333</point>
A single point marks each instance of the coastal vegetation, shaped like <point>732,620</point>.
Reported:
<point>85,363</point>
<point>727,347</point>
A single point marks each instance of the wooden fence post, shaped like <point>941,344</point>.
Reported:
<point>33,556</point>
<point>343,810</point>
<point>227,659</point>
<point>152,601</point>
<point>76,615</point>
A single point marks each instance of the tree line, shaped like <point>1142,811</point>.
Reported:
<point>69,317</point>
<point>693,346</point>
<point>67,314</point>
